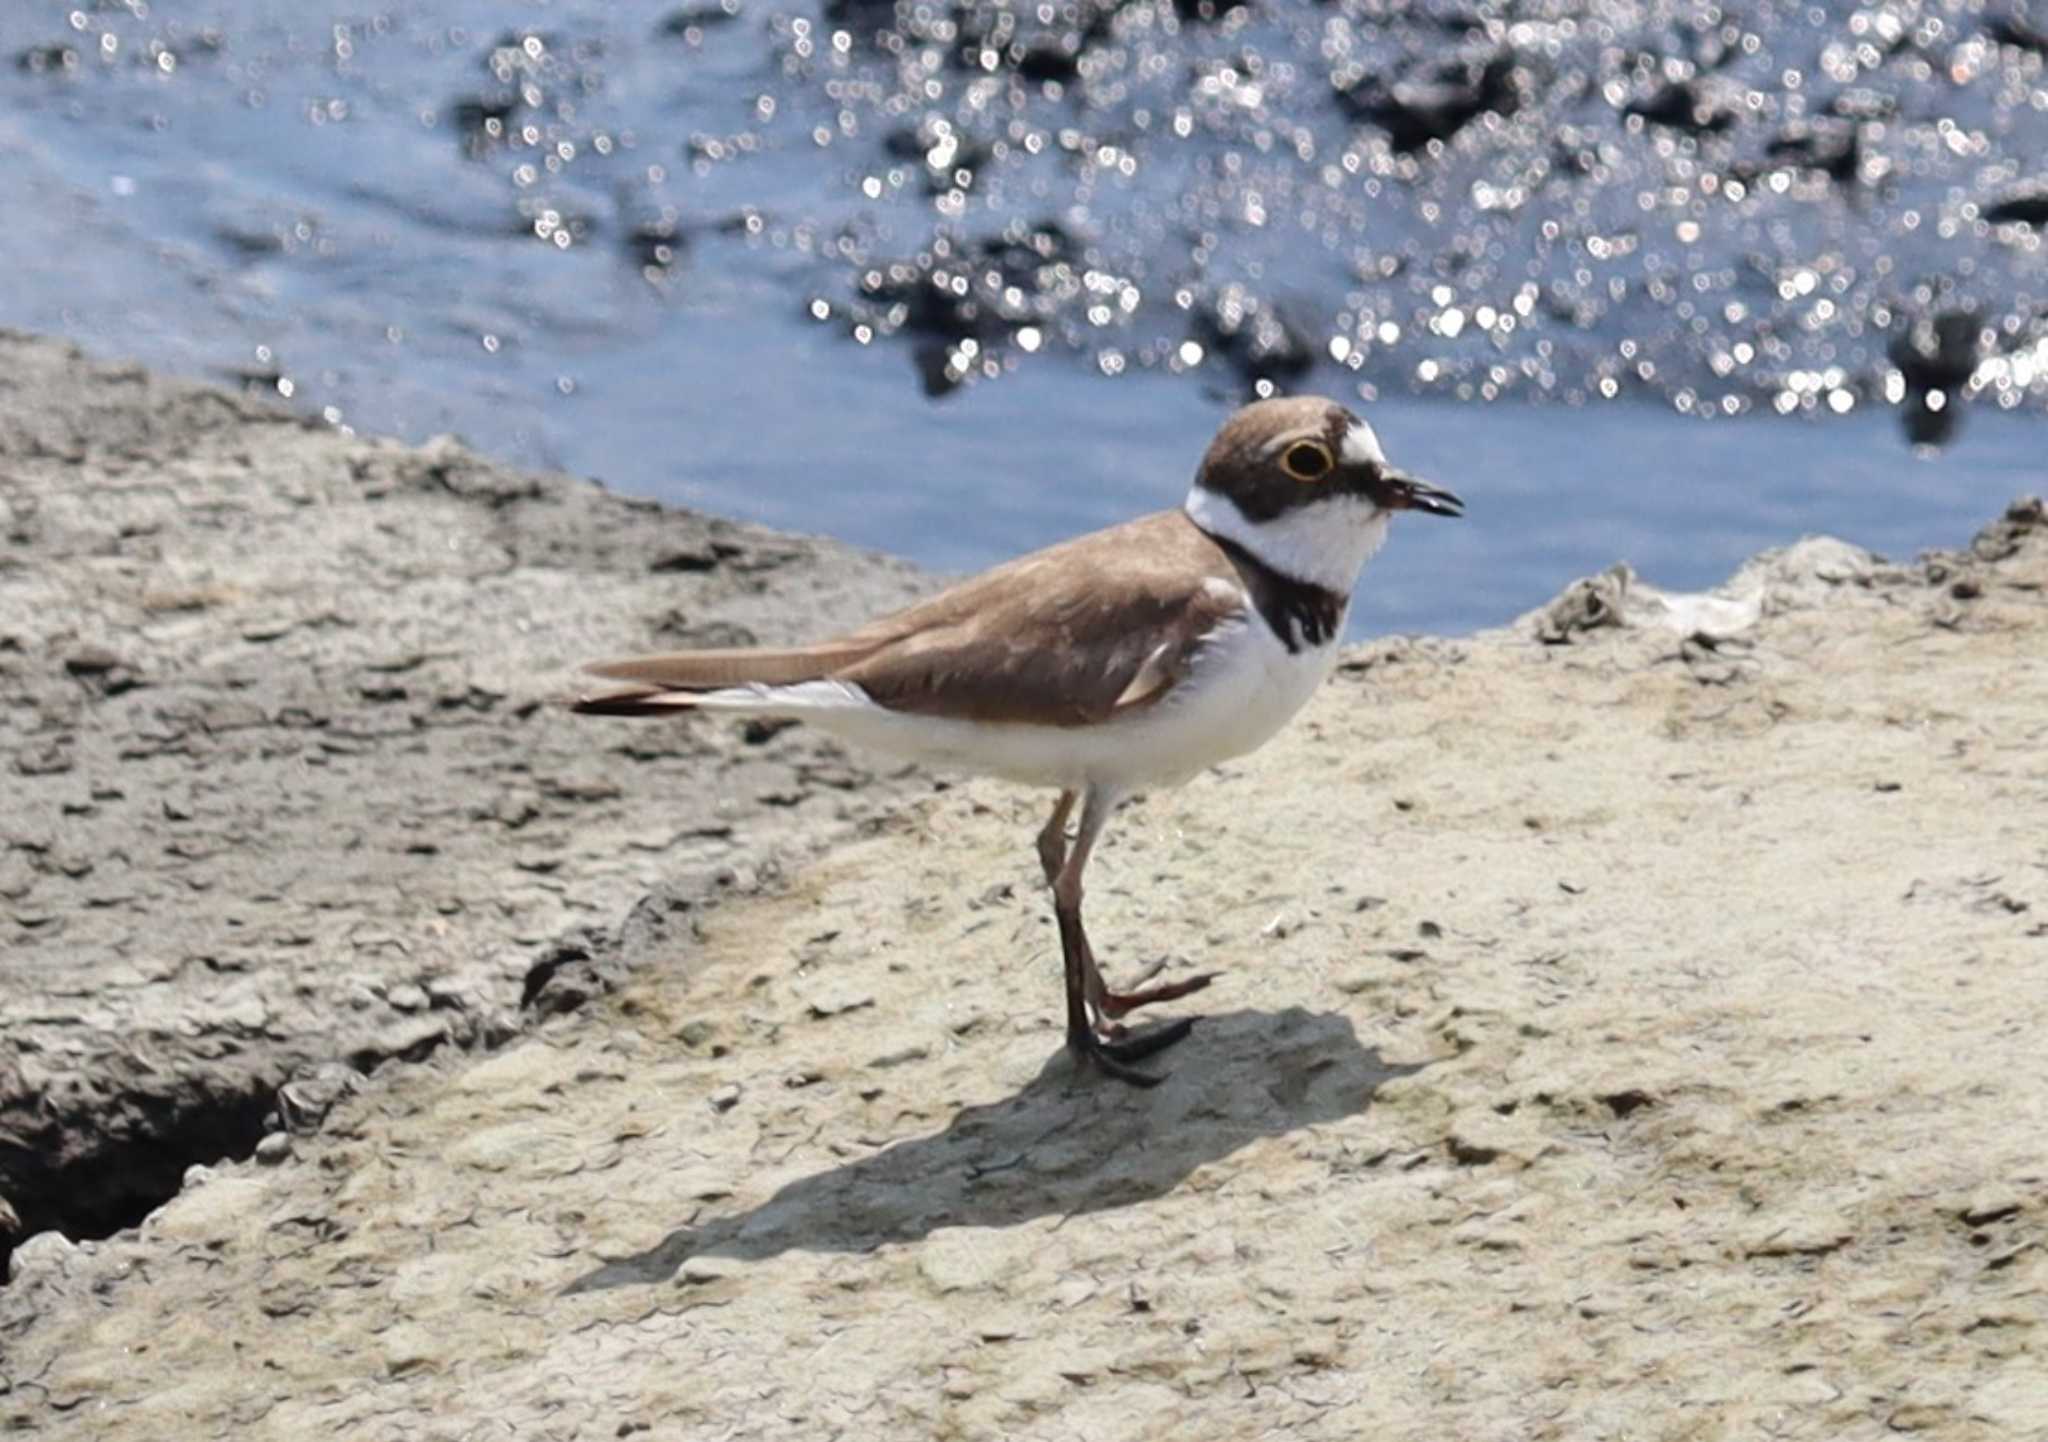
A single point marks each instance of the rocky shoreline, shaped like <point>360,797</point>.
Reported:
<point>1632,1022</point>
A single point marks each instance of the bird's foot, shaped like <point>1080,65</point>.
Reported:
<point>1114,1058</point>
<point>1115,1003</point>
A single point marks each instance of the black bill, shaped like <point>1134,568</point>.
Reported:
<point>1404,493</point>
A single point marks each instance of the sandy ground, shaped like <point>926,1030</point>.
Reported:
<point>1631,1028</point>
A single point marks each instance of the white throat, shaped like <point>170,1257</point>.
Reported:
<point>1327,543</point>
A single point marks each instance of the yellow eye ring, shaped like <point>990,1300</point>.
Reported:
<point>1307,461</point>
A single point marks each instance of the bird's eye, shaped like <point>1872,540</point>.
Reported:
<point>1307,461</point>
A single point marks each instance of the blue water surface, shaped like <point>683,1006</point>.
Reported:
<point>698,257</point>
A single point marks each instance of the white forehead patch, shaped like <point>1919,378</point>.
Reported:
<point>1361,446</point>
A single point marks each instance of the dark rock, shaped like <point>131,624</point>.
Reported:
<point>1045,45</point>
<point>706,557</point>
<point>1936,357</point>
<point>481,120</point>
<point>1860,102</point>
<point>1681,106</point>
<point>1835,151</point>
<point>936,296</point>
<point>1938,352</point>
<point>950,161</point>
<point>658,242</point>
<point>58,59</point>
<point>1415,113</point>
<point>675,629</point>
<point>2015,31</point>
<point>548,221</point>
<point>1205,11</point>
<point>1048,59</point>
<point>863,12</point>
<point>1930,418</point>
<point>685,22</point>
<point>91,661</point>
<point>1253,337</point>
<point>1622,1103</point>
<point>760,730</point>
<point>1020,249</point>
<point>565,976</point>
<point>2026,208</point>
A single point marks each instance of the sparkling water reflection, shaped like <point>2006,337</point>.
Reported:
<point>642,244</point>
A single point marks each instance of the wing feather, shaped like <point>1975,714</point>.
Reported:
<point>1066,654</point>
<point>739,666</point>
<point>1067,636</point>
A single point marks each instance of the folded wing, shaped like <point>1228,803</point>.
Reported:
<point>1068,636</point>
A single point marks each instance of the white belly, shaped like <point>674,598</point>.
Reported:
<point>1243,687</point>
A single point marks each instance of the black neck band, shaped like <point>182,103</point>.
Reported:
<point>1300,612</point>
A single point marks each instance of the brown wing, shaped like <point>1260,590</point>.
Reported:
<point>710,670</point>
<point>1065,637</point>
<point>1062,637</point>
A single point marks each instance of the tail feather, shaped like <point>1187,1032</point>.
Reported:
<point>716,670</point>
<point>640,701</point>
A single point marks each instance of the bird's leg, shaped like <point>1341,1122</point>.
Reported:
<point>1052,841</point>
<point>1108,1005</point>
<point>1110,1057</point>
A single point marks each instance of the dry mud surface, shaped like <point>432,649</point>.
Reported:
<point>278,780</point>
<point>1632,1023</point>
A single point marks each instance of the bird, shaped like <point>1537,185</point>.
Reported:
<point>1125,659</point>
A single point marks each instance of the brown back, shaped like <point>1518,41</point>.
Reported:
<point>1066,636</point>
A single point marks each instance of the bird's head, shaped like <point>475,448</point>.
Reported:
<point>1303,484</point>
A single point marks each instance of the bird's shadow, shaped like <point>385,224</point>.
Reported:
<point>1068,1143</point>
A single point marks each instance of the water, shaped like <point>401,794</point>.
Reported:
<point>956,281</point>
<point>1555,492</point>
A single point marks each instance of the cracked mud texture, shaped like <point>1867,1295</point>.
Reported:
<point>1631,1027</point>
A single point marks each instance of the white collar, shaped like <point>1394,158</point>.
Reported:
<point>1325,543</point>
